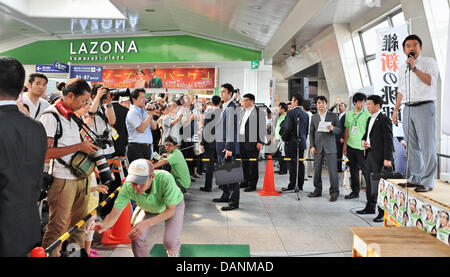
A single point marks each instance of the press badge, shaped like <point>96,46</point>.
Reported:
<point>114,133</point>
<point>355,130</point>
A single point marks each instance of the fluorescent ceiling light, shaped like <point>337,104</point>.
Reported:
<point>98,9</point>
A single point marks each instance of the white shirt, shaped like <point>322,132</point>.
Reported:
<point>224,106</point>
<point>323,116</point>
<point>419,90</point>
<point>99,128</point>
<point>373,117</point>
<point>7,102</point>
<point>70,136</point>
<point>34,108</point>
<point>244,120</point>
<point>341,115</point>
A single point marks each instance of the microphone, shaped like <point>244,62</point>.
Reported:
<point>411,54</point>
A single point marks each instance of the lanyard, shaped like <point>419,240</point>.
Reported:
<point>355,120</point>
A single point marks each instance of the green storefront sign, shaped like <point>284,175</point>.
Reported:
<point>155,49</point>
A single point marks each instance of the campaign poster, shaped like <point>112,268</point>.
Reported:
<point>392,200</point>
<point>429,218</point>
<point>443,229</point>
<point>415,212</point>
<point>382,194</point>
<point>402,209</point>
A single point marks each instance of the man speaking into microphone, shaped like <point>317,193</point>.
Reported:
<point>418,91</point>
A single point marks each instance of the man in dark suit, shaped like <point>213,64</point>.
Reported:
<point>209,141</point>
<point>23,145</point>
<point>341,137</point>
<point>251,139</point>
<point>227,144</point>
<point>121,142</point>
<point>294,132</point>
<point>377,142</point>
<point>323,147</point>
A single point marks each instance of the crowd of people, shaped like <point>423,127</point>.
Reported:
<point>168,143</point>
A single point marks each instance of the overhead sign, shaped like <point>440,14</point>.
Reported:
<point>176,78</point>
<point>61,66</point>
<point>255,64</point>
<point>87,73</point>
<point>48,68</point>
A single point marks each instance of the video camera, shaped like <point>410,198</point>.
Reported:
<point>103,168</point>
<point>119,92</point>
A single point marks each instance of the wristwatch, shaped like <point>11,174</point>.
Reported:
<point>108,105</point>
<point>415,69</point>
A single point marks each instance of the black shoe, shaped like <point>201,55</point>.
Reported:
<point>193,180</point>
<point>379,218</point>
<point>220,200</point>
<point>282,173</point>
<point>407,184</point>
<point>243,185</point>
<point>366,211</point>
<point>205,189</point>
<point>229,208</point>
<point>288,189</point>
<point>249,189</point>
<point>314,194</point>
<point>422,189</point>
<point>351,196</point>
<point>333,198</point>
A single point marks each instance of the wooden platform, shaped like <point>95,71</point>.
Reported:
<point>440,195</point>
<point>396,242</point>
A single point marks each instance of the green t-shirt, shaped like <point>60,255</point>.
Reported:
<point>164,192</point>
<point>277,130</point>
<point>179,168</point>
<point>360,121</point>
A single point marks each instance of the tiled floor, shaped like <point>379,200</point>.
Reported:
<point>272,226</point>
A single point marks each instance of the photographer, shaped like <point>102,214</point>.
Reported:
<point>102,119</point>
<point>139,123</point>
<point>67,196</point>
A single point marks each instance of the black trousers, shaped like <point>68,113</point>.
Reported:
<point>250,169</point>
<point>339,156</point>
<point>373,166</point>
<point>296,167</point>
<point>356,162</point>
<point>139,151</point>
<point>210,153</point>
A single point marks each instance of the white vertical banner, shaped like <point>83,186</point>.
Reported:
<point>389,58</point>
<point>446,96</point>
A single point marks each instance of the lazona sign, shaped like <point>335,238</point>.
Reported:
<point>98,51</point>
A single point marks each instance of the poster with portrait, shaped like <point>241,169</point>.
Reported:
<point>382,193</point>
<point>429,215</point>
<point>443,226</point>
<point>415,212</point>
<point>392,205</point>
<point>401,207</point>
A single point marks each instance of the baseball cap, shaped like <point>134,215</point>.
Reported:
<point>139,171</point>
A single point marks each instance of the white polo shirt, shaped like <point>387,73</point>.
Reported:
<point>420,91</point>
<point>70,136</point>
<point>39,108</point>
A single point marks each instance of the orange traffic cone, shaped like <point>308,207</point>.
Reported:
<point>118,233</point>
<point>269,183</point>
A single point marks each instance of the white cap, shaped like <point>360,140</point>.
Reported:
<point>139,171</point>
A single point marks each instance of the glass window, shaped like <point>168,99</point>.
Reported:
<point>374,70</point>
<point>370,37</point>
<point>398,19</point>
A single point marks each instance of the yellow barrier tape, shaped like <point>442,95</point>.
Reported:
<point>65,236</point>
<point>79,224</point>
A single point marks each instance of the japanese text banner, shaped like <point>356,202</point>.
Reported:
<point>389,58</point>
<point>176,78</point>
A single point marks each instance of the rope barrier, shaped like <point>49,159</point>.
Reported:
<point>257,160</point>
<point>80,223</point>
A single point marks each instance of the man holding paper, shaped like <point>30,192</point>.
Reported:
<point>323,130</point>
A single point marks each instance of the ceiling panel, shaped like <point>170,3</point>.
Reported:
<point>248,23</point>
